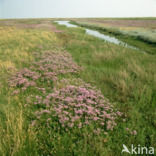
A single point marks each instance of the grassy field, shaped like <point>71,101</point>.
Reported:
<point>63,92</point>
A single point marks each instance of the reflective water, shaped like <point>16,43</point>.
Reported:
<point>98,34</point>
<point>108,38</point>
<point>102,36</point>
<point>66,23</point>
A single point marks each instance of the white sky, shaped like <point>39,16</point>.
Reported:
<point>77,8</point>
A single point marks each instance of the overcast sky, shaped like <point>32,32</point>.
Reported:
<point>76,8</point>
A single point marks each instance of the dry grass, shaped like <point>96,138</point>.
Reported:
<point>13,134</point>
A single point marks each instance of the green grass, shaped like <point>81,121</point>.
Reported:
<point>125,76</point>
<point>144,40</point>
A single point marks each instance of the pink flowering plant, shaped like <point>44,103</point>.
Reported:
<point>77,107</point>
<point>44,71</point>
<point>24,78</point>
<point>54,63</point>
<point>58,103</point>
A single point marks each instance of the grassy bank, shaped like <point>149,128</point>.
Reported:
<point>63,92</point>
<point>143,39</point>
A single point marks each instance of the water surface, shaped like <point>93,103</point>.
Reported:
<point>66,23</point>
<point>98,35</point>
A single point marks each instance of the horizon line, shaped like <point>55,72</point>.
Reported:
<point>75,17</point>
